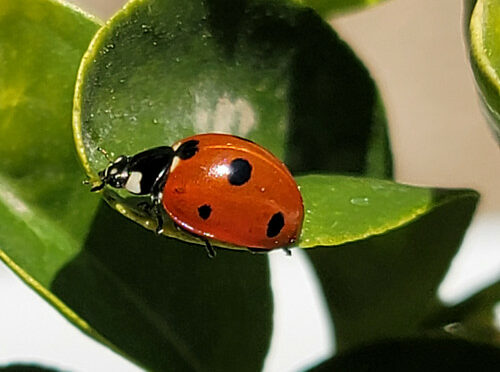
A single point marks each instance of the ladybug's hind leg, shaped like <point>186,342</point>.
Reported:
<point>211,252</point>
<point>210,249</point>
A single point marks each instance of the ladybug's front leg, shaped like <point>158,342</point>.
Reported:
<point>158,212</point>
<point>152,208</point>
<point>156,199</point>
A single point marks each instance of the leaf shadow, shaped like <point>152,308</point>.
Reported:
<point>165,303</point>
<point>336,119</point>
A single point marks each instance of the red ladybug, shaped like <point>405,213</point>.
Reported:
<point>215,186</point>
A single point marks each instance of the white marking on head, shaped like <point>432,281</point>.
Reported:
<point>113,171</point>
<point>176,145</point>
<point>134,183</point>
<point>175,163</point>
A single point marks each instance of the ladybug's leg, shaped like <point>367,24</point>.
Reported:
<point>156,199</point>
<point>153,209</point>
<point>159,220</point>
<point>287,251</point>
<point>156,208</point>
<point>210,250</point>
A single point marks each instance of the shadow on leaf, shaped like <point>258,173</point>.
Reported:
<point>165,303</point>
<point>336,118</point>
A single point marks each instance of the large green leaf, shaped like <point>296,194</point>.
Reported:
<point>386,286</point>
<point>328,7</point>
<point>485,56</point>
<point>44,210</point>
<point>157,301</point>
<point>274,72</point>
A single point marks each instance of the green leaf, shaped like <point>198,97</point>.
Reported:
<point>385,286</point>
<point>485,56</point>
<point>41,43</point>
<point>272,71</point>
<point>418,354</point>
<point>340,209</point>
<point>328,7</point>
<point>473,319</point>
<point>157,301</point>
<point>43,209</point>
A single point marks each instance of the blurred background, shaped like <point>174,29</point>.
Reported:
<point>416,53</point>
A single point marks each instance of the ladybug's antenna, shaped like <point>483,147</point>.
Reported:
<point>105,153</point>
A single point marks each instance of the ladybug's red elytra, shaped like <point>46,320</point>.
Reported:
<point>215,186</point>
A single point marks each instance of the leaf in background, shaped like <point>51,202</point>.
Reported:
<point>416,355</point>
<point>473,319</point>
<point>121,281</point>
<point>485,56</point>
<point>329,7</point>
<point>273,72</point>
<point>385,286</point>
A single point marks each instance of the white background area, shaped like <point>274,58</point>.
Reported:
<point>415,51</point>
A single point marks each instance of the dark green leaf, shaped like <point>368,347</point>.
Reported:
<point>385,286</point>
<point>165,303</point>
<point>473,319</point>
<point>416,355</point>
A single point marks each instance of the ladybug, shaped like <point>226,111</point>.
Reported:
<point>215,186</point>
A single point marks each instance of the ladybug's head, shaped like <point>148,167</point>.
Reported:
<point>116,174</point>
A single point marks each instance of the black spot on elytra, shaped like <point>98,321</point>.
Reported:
<point>187,150</point>
<point>275,225</point>
<point>204,211</point>
<point>240,171</point>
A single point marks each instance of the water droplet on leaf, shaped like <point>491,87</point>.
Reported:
<point>361,201</point>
